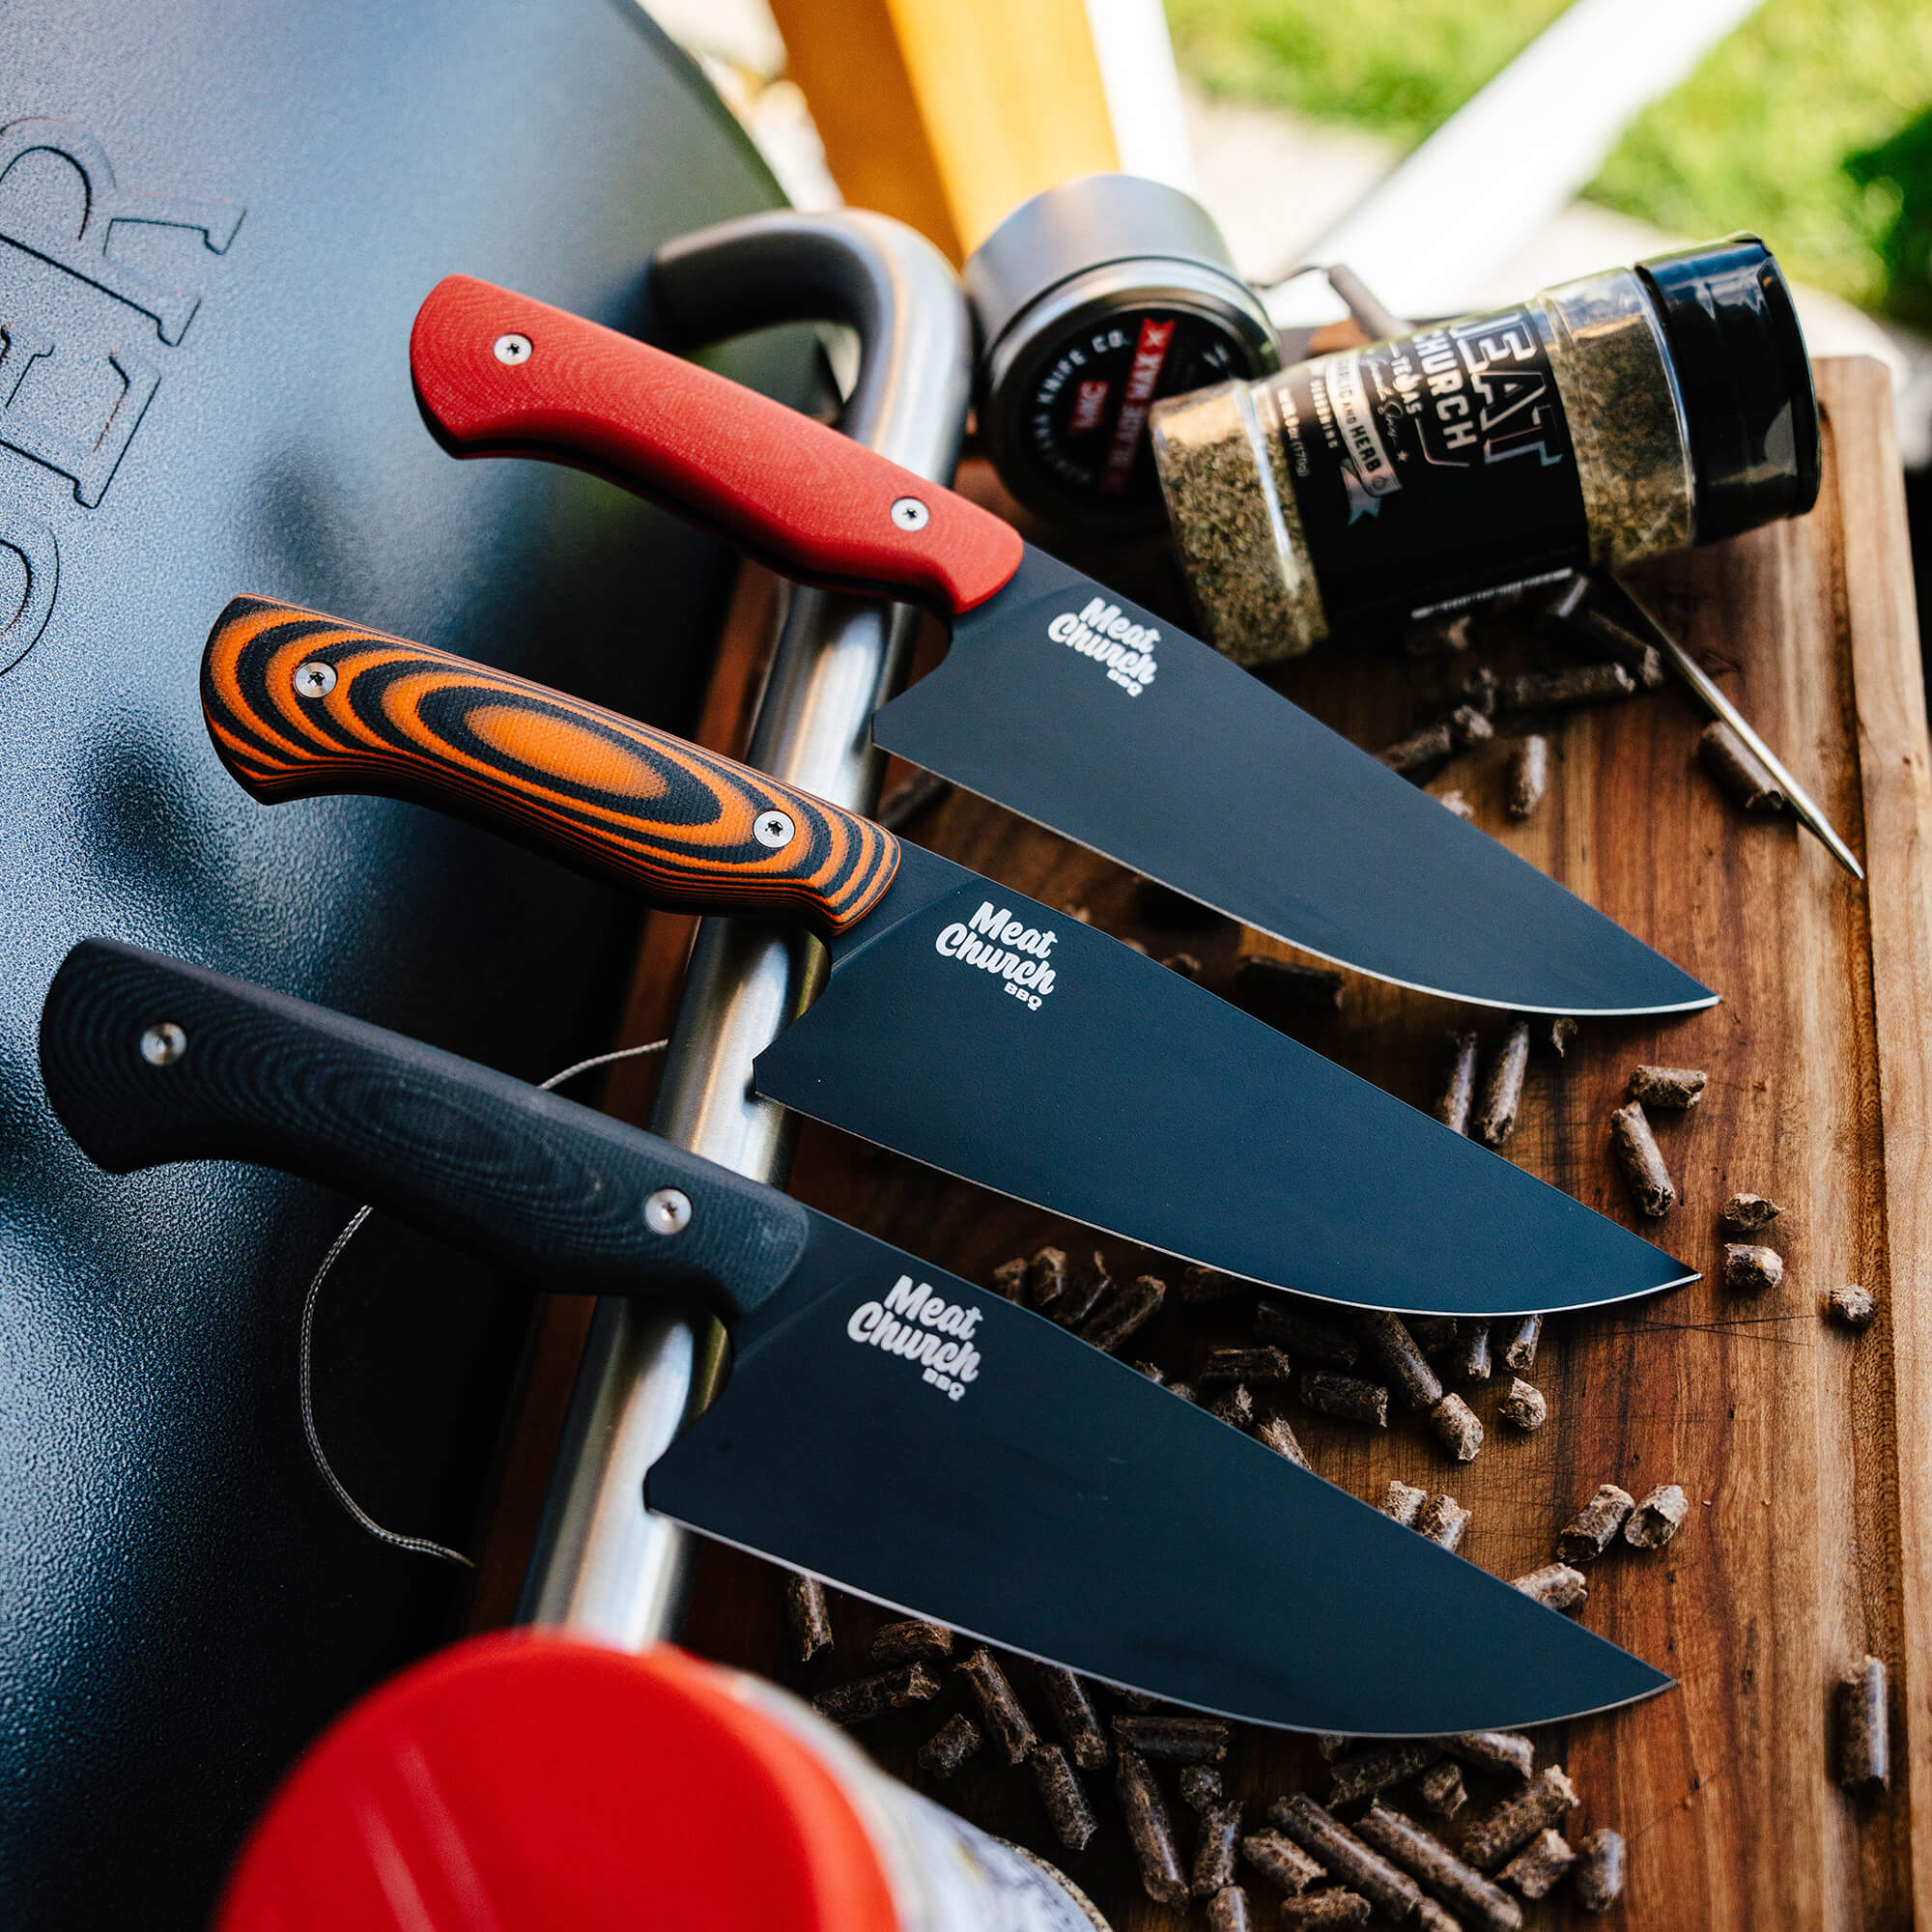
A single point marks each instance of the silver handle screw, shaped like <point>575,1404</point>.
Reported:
<point>774,828</point>
<point>910,514</point>
<point>513,351</point>
<point>667,1211</point>
<point>314,679</point>
<point>162,1044</point>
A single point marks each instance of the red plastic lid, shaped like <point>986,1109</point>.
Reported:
<point>526,1782</point>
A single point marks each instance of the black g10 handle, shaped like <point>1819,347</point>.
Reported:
<point>148,1059</point>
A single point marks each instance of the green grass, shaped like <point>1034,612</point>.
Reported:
<point>1811,124</point>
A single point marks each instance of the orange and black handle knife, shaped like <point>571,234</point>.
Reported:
<point>1056,698</point>
<point>963,1024</point>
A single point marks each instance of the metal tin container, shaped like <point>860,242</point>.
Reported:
<point>1631,413</point>
<point>1092,302</point>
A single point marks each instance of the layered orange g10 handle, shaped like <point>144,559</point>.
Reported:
<point>300,704</point>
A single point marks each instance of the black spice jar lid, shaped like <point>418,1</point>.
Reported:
<point>1749,403</point>
<point>1092,302</point>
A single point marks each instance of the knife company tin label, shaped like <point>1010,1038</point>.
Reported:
<point>1423,467</point>
<point>995,942</point>
<point>1104,633</point>
<point>923,1327</point>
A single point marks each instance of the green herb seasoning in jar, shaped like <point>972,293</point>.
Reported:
<point>1635,412</point>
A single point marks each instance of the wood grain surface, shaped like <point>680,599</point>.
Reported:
<point>1802,1448</point>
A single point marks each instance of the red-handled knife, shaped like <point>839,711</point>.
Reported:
<point>1057,699</point>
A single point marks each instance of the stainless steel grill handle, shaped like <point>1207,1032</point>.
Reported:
<point>602,1565</point>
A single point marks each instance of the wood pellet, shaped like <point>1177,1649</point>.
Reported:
<point>866,1698</point>
<point>1215,1851</point>
<point>1128,1311</point>
<point>1441,1788</point>
<point>1750,1270</point>
<point>1199,1286</point>
<point>1173,1740</point>
<point>1509,1754</point>
<point>1228,1910</point>
<point>913,1638</point>
<point>806,1612</point>
<point>1535,1871</point>
<point>1074,1715</point>
<point>1464,1890</point>
<point>1403,1503</point>
<point>1201,1788</point>
<point>1421,751</point>
<point>1150,1830</point>
<point>1435,1334</point>
<point>1527,777</point>
<point>1282,1861</point>
<point>1357,1865</point>
<point>1456,802</point>
<point>1556,1586</point>
<point>1279,1434</point>
<point>1655,1521</point>
<point>1865,1746</point>
<point>1562,690</point>
<point>1643,1161</point>
<point>1470,1358</point>
<point>1442,1520</point>
<point>1267,986</point>
<point>1525,1407</point>
<point>1000,1710</point>
<point>1851,1307</point>
<point>1068,1808</point>
<point>1083,1293</point>
<point>1518,1340</point>
<point>1318,1912</point>
<point>1744,775</point>
<point>1457,1427</point>
<point>1348,1397</point>
<point>1353,1778</point>
<point>1046,1280</point>
<point>1234,1407</point>
<point>1265,1363</point>
<point>1458,1084</point>
<point>1599,1872</point>
<point>1502,1091</point>
<point>1277,1319</point>
<point>1547,1800</point>
<point>1409,1374</point>
<point>1593,1528</point>
<point>1674,1089</point>
<point>1748,1213</point>
<point>951,1746</point>
<point>1010,1280</point>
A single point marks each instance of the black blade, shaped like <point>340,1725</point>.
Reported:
<point>1204,779</point>
<point>1053,1501</point>
<point>1127,1098</point>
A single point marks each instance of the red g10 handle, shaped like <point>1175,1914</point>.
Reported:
<point>498,374</point>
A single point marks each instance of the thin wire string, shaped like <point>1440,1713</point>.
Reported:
<point>415,1546</point>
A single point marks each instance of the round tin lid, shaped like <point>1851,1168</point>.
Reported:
<point>527,1781</point>
<point>1092,302</point>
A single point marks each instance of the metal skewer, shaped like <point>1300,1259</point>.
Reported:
<point>1696,676</point>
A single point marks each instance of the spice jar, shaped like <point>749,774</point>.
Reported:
<point>1634,412</point>
<point>527,1781</point>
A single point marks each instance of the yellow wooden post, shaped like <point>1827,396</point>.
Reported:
<point>949,113</point>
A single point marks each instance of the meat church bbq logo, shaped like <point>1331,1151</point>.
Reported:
<point>1103,633</point>
<point>914,1322</point>
<point>1013,952</point>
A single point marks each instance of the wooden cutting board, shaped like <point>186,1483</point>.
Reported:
<point>1803,1449</point>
